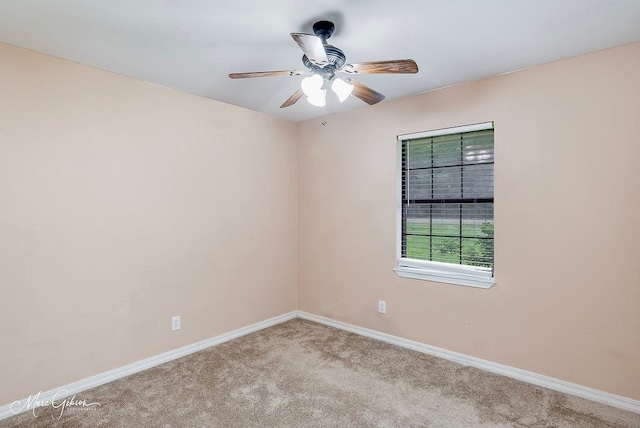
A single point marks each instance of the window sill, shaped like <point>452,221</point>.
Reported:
<point>466,277</point>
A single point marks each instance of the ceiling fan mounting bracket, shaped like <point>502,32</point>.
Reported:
<point>323,29</point>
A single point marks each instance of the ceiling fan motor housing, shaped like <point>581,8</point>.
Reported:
<point>336,58</point>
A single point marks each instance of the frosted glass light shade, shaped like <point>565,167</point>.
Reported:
<point>318,98</point>
<point>341,88</point>
<point>312,85</point>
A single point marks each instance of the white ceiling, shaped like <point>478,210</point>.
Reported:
<point>192,45</point>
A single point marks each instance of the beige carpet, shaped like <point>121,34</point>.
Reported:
<point>303,374</point>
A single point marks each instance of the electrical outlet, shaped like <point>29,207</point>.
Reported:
<point>382,306</point>
<point>175,323</point>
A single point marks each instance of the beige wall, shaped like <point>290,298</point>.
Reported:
<point>567,298</point>
<point>123,203</point>
<point>117,211</point>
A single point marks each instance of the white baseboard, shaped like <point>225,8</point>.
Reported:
<point>60,393</point>
<point>512,372</point>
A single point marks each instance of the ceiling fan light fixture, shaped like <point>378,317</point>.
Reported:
<point>318,99</point>
<point>323,61</point>
<point>341,88</point>
<point>312,85</point>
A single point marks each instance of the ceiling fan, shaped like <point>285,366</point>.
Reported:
<point>326,64</point>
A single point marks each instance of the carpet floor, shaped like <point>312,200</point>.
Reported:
<point>303,374</point>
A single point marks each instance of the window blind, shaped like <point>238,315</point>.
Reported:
<point>447,198</point>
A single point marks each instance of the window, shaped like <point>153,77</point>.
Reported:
<point>445,218</point>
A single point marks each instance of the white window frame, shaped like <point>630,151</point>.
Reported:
<point>471,276</point>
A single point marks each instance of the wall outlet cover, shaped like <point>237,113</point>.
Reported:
<point>382,306</point>
<point>175,323</point>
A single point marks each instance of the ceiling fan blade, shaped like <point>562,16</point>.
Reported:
<point>293,99</point>
<point>312,47</point>
<point>264,74</point>
<point>365,93</point>
<point>400,66</point>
